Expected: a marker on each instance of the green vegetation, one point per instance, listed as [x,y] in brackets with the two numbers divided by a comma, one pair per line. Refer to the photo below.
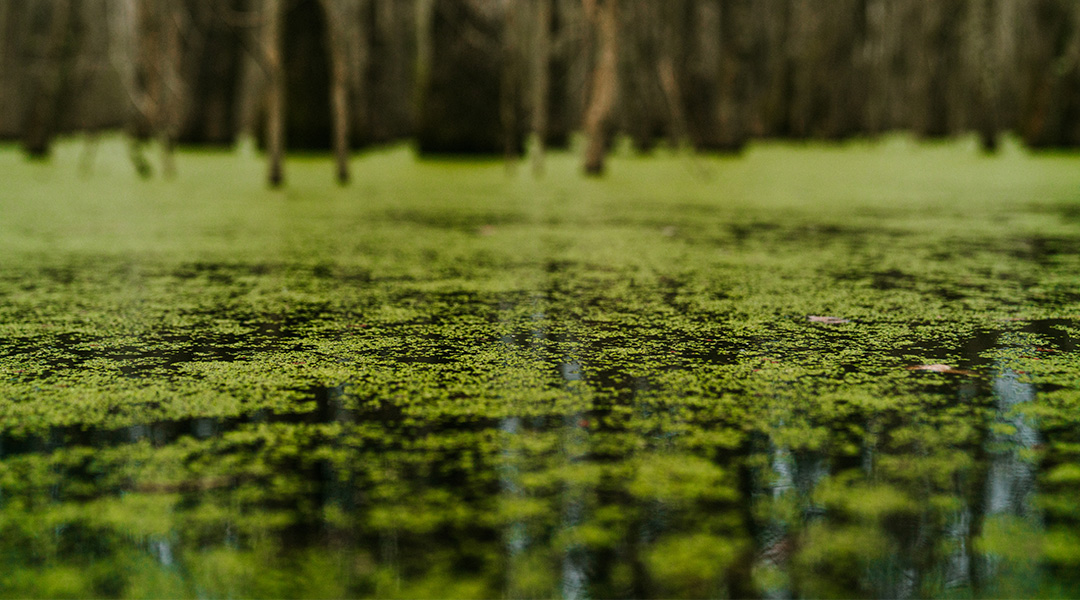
[450,381]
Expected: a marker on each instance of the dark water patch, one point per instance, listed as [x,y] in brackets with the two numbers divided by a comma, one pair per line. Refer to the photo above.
[806,234]
[60,275]
[740,233]
[891,279]
[225,273]
[291,315]
[970,349]
[1044,250]
[1068,211]
[449,307]
[66,353]
[1054,331]
[452,219]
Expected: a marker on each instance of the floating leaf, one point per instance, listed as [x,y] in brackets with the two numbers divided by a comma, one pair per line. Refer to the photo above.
[940,368]
[827,320]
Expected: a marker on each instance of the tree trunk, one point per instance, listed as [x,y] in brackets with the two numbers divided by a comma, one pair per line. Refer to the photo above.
[5,12]
[733,81]
[987,65]
[541,89]
[672,33]
[604,17]
[40,125]
[339,84]
[5,73]
[425,51]
[360,38]
[275,103]
[509,86]
[170,97]
[391,75]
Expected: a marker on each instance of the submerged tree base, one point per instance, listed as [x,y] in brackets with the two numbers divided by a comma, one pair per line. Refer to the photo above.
[819,371]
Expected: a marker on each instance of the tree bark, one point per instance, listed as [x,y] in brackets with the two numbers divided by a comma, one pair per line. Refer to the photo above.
[672,33]
[425,50]
[509,86]
[987,66]
[170,97]
[339,84]
[40,125]
[5,74]
[275,104]
[604,17]
[541,52]
[360,38]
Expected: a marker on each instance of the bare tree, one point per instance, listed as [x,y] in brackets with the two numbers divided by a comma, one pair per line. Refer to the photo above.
[983,72]
[146,49]
[359,41]
[425,49]
[7,44]
[338,23]
[171,96]
[715,72]
[671,35]
[392,70]
[49,73]
[510,82]
[541,80]
[603,16]
[275,93]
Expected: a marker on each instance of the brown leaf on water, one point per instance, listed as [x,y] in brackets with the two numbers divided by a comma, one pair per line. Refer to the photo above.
[827,320]
[940,368]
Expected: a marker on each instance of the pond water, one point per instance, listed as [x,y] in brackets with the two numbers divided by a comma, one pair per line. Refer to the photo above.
[448,381]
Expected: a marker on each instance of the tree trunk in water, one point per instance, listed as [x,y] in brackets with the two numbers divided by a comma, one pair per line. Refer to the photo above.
[391,75]
[674,33]
[987,65]
[170,97]
[40,125]
[339,98]
[425,51]
[339,86]
[359,41]
[509,86]
[604,17]
[5,40]
[541,82]
[275,104]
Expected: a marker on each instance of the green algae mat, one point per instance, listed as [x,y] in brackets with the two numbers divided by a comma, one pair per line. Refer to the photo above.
[809,371]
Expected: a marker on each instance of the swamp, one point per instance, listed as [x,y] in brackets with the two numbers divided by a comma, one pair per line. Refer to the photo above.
[812,370]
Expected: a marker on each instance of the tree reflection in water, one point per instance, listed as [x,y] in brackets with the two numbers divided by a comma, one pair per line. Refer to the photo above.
[581,482]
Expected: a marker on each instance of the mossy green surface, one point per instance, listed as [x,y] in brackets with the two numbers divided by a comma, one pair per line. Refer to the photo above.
[451,381]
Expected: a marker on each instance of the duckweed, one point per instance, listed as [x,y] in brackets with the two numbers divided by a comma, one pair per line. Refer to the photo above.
[450,381]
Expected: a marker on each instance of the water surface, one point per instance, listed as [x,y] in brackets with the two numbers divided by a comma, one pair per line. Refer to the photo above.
[450,382]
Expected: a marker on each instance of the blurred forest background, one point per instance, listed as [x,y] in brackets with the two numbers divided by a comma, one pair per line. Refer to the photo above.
[485,76]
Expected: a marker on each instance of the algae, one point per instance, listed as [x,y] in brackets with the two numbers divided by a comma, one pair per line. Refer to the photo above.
[446,381]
